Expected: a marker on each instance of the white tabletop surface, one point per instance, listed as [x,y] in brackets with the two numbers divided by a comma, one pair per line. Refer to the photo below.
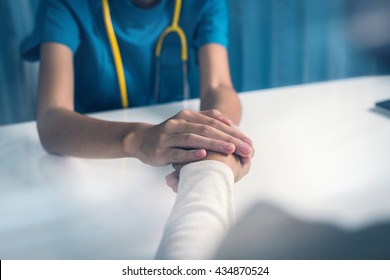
[322,154]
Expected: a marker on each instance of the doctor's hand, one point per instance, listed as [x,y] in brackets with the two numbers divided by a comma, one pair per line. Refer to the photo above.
[186,137]
[238,166]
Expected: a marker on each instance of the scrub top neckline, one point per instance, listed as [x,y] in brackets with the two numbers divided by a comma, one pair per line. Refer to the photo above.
[145,11]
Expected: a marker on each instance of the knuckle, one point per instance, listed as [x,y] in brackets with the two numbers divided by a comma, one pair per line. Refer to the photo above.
[178,114]
[171,123]
[215,112]
[205,130]
[213,123]
[184,113]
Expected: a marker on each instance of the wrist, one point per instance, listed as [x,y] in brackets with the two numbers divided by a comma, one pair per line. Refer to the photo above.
[229,159]
[195,168]
[132,141]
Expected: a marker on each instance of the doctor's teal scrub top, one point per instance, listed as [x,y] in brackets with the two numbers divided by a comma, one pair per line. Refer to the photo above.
[79,25]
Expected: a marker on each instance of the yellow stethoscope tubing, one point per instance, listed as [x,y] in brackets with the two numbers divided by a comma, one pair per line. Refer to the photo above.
[173,28]
[116,54]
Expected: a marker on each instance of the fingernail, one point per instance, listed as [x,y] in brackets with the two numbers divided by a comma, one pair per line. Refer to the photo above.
[200,153]
[245,149]
[228,147]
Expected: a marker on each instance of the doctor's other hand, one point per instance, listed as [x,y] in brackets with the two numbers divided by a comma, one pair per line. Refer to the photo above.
[238,166]
[185,138]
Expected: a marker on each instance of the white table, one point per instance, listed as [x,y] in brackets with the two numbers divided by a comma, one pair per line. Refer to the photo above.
[322,154]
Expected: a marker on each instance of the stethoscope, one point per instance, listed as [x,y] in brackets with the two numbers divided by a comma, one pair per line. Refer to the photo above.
[173,28]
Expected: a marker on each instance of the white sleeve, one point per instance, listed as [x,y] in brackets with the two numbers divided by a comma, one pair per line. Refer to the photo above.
[202,213]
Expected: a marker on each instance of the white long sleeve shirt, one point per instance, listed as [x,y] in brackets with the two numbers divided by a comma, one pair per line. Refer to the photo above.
[202,213]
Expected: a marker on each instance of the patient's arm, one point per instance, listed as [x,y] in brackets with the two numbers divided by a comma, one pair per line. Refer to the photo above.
[202,213]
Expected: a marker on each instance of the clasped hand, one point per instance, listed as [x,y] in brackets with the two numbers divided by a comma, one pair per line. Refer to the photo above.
[238,166]
[189,136]
[192,136]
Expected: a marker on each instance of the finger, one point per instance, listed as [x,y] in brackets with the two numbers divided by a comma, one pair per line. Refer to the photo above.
[172,180]
[248,159]
[176,175]
[193,122]
[194,136]
[218,116]
[220,125]
[245,164]
[179,155]
[203,118]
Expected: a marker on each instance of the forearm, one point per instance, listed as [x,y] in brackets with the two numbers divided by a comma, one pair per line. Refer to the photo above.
[66,132]
[217,90]
[225,100]
[202,214]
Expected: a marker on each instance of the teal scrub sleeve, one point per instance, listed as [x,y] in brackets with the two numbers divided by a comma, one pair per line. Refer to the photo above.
[213,24]
[55,23]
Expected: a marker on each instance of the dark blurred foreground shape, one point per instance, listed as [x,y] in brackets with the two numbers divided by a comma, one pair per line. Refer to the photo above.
[268,233]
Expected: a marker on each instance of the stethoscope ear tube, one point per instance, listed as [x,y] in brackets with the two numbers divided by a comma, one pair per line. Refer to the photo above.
[173,28]
[115,53]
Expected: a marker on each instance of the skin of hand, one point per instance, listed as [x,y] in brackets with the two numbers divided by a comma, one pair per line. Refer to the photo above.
[186,137]
[239,167]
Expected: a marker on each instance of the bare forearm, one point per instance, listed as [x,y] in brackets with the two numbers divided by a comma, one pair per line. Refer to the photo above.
[184,137]
[217,90]
[225,100]
[68,133]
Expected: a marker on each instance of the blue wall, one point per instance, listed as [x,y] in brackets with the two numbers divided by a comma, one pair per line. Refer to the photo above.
[18,80]
[285,42]
[272,43]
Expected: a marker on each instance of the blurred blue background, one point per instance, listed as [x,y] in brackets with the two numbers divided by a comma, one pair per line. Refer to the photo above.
[273,43]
